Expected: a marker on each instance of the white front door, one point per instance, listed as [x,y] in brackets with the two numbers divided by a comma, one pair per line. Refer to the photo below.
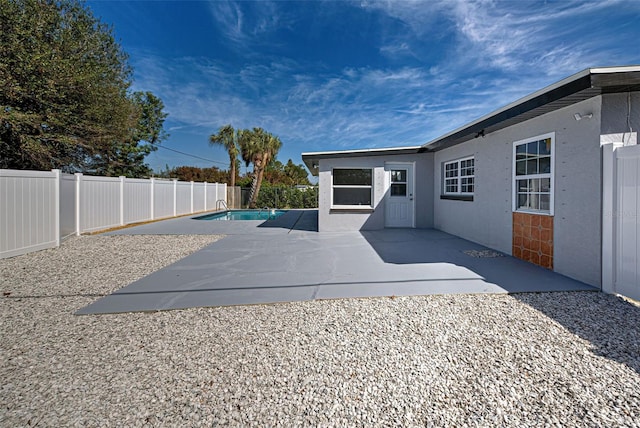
[399,199]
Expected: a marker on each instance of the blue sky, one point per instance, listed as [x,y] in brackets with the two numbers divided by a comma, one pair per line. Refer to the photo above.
[338,75]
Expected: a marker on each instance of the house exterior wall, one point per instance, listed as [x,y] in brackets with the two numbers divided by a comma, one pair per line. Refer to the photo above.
[332,220]
[615,109]
[576,224]
[488,218]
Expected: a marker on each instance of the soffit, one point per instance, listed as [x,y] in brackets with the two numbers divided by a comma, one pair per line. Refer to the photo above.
[579,87]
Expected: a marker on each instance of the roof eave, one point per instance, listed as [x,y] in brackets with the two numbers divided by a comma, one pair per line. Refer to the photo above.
[311,159]
[578,87]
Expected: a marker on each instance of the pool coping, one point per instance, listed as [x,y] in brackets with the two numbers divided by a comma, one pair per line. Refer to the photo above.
[220,213]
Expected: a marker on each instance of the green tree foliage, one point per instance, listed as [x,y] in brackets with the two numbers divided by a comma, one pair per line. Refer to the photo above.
[274,173]
[127,157]
[259,148]
[228,138]
[245,181]
[283,196]
[64,100]
[290,174]
[297,174]
[192,173]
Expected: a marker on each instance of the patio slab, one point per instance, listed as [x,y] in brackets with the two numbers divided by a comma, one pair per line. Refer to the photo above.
[288,260]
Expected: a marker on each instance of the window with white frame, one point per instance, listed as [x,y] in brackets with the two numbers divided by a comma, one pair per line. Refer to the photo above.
[459,177]
[352,187]
[398,183]
[533,174]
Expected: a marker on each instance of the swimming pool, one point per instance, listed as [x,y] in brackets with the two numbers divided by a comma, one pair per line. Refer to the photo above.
[243,215]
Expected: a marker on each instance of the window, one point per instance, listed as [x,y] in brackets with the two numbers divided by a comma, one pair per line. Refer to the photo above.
[459,177]
[352,187]
[399,182]
[533,174]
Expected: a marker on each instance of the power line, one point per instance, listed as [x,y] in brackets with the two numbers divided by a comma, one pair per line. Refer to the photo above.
[193,156]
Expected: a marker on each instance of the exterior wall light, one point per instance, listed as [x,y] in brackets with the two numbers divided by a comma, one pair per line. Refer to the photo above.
[579,116]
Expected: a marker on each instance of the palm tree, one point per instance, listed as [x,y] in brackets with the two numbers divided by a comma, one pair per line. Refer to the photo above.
[259,148]
[228,138]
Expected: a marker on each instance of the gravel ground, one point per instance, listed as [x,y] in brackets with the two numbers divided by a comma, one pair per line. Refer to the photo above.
[560,359]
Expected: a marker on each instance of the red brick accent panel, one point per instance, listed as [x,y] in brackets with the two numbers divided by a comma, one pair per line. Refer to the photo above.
[533,239]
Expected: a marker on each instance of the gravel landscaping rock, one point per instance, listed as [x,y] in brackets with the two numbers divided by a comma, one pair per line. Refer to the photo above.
[557,359]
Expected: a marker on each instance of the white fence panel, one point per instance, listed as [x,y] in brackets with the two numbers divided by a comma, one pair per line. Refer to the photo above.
[216,192]
[99,203]
[222,192]
[183,198]
[39,208]
[162,198]
[67,205]
[137,200]
[628,222]
[212,195]
[199,195]
[28,211]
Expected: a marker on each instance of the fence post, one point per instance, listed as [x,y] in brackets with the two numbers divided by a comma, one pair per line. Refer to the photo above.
[175,197]
[151,183]
[121,200]
[77,195]
[205,195]
[56,172]
[224,192]
[609,216]
[191,212]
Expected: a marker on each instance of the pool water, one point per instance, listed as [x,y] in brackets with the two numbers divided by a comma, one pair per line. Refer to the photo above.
[243,215]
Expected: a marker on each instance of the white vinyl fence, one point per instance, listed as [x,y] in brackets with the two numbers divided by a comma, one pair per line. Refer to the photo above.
[38,209]
[621,220]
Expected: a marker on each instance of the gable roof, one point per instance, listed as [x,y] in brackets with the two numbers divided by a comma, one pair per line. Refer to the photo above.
[571,90]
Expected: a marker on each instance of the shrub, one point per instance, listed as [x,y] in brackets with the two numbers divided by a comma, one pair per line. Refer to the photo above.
[287,197]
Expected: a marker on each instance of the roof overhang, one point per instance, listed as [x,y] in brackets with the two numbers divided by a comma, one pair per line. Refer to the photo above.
[311,159]
[574,89]
[579,87]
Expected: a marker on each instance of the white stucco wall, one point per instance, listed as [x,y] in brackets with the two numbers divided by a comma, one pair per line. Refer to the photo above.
[346,220]
[488,218]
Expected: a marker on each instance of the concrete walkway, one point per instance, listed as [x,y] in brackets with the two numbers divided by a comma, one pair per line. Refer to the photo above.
[288,260]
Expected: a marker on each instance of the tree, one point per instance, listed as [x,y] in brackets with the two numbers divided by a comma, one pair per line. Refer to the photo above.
[65,101]
[289,174]
[274,173]
[228,138]
[127,158]
[192,173]
[259,148]
[297,174]
[283,196]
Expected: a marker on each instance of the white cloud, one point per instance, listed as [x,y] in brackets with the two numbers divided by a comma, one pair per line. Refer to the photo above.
[497,52]
[509,36]
[229,19]
[244,26]
[310,111]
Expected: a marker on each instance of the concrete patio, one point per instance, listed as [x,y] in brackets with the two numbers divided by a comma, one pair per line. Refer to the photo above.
[288,260]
